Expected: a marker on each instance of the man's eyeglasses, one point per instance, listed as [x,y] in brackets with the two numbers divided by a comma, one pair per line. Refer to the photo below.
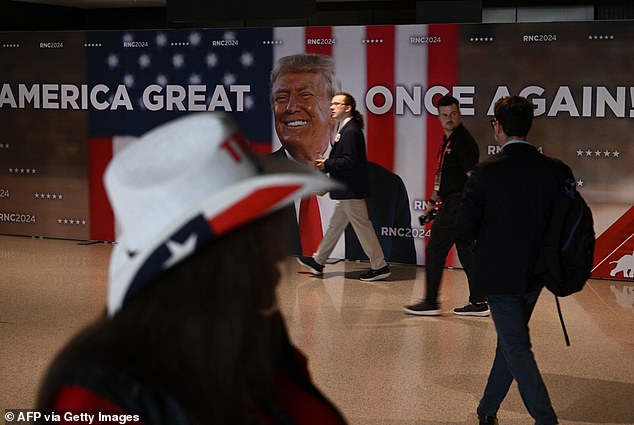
[337,104]
[493,122]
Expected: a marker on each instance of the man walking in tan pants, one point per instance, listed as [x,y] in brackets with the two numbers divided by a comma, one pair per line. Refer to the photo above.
[348,164]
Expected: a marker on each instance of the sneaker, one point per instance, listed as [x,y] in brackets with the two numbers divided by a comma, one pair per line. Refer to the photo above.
[423,308]
[313,266]
[473,309]
[486,420]
[372,275]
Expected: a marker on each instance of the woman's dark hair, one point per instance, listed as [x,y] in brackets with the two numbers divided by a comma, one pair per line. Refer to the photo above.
[349,100]
[515,115]
[206,331]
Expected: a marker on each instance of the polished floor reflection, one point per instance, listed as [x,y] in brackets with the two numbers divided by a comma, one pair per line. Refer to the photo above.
[379,365]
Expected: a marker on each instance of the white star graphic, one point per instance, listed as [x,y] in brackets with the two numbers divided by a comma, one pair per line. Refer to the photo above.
[178,60]
[144,61]
[246,59]
[161,39]
[228,79]
[180,251]
[113,61]
[580,183]
[128,80]
[616,154]
[211,60]
[579,152]
[249,102]
[161,80]
[195,79]
[194,38]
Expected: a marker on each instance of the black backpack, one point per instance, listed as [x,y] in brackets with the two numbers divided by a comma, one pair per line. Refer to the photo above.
[565,261]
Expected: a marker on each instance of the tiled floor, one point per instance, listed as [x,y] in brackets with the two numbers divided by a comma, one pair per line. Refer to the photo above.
[379,365]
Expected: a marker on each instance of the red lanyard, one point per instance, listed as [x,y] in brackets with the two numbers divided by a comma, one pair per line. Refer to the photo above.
[441,160]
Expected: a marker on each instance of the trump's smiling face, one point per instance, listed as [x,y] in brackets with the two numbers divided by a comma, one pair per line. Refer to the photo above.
[302,114]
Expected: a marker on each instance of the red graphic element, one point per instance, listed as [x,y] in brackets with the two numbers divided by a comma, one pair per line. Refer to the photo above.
[255,205]
[237,146]
[101,215]
[79,400]
[310,231]
[442,71]
[614,250]
[380,71]
[319,33]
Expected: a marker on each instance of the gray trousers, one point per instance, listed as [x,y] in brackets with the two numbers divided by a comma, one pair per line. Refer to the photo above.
[355,212]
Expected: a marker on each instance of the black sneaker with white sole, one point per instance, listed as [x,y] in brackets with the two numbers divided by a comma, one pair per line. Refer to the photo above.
[423,308]
[372,275]
[313,266]
[473,309]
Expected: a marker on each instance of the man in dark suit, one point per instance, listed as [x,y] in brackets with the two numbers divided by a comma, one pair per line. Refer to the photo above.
[458,154]
[302,87]
[347,163]
[506,206]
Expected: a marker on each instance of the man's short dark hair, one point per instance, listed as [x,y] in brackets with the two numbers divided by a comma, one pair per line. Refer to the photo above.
[515,115]
[448,101]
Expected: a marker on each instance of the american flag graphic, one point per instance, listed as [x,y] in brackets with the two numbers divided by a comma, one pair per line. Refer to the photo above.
[180,58]
[215,59]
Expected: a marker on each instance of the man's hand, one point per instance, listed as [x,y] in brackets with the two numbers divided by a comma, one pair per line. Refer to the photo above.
[319,163]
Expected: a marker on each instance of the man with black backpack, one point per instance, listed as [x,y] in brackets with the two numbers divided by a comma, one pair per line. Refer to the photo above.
[506,209]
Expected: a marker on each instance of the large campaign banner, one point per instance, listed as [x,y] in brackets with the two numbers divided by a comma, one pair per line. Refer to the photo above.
[69,101]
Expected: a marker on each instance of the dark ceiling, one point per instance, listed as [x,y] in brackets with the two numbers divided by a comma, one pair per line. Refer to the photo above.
[20,15]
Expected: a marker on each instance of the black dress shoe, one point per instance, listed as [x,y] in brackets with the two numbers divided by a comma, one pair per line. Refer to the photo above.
[486,420]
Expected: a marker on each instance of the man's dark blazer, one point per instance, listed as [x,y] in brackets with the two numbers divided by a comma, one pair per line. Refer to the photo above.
[347,162]
[505,208]
[388,207]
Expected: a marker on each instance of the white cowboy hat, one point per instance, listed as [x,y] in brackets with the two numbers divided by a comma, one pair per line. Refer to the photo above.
[185,183]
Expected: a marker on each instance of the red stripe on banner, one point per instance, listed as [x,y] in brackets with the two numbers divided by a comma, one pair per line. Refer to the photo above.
[254,205]
[101,215]
[442,71]
[614,250]
[260,147]
[380,71]
[315,37]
